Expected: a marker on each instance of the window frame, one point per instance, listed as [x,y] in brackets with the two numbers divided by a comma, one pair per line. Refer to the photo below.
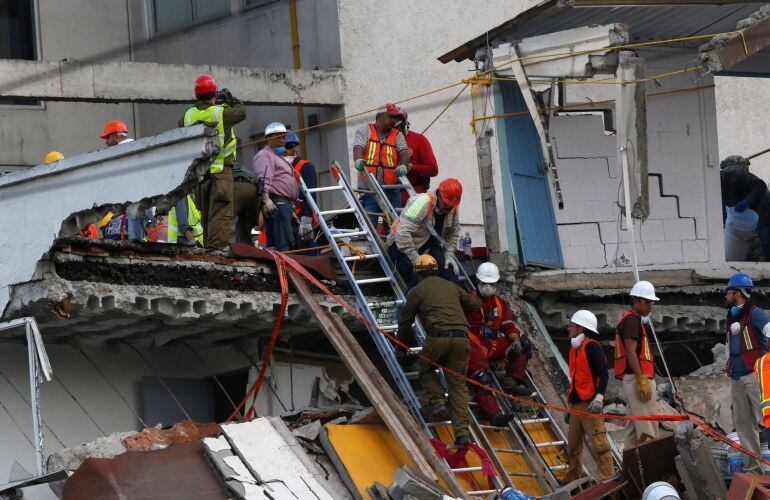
[38,48]
[153,27]
[245,4]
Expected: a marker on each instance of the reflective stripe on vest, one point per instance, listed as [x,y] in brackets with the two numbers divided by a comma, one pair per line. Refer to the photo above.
[645,353]
[413,210]
[762,370]
[382,154]
[581,378]
[298,175]
[193,221]
[212,116]
[751,346]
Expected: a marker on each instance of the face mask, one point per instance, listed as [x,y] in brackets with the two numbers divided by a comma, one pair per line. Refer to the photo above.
[645,320]
[735,310]
[487,289]
[290,159]
[280,150]
[577,341]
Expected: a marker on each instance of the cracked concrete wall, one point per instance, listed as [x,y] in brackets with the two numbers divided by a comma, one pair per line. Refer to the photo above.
[684,225]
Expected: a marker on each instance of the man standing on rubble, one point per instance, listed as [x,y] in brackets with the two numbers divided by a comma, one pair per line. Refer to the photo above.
[305,170]
[381,149]
[441,306]
[221,110]
[742,189]
[748,327]
[494,337]
[634,362]
[410,235]
[588,383]
[421,158]
[279,188]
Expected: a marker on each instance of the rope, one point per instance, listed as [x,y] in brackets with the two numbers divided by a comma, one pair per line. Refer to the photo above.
[445,108]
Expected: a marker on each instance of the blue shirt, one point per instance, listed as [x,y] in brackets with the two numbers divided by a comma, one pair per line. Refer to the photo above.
[759,320]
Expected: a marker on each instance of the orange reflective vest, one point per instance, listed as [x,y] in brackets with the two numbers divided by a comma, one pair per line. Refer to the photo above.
[644,352]
[298,176]
[581,378]
[762,370]
[89,232]
[381,158]
[414,210]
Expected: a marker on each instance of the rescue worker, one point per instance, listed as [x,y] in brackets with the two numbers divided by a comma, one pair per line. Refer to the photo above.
[742,189]
[494,337]
[279,188]
[440,305]
[115,132]
[747,330]
[247,202]
[305,170]
[221,110]
[634,362]
[421,158]
[588,382]
[409,237]
[381,149]
[184,223]
[52,156]
[762,371]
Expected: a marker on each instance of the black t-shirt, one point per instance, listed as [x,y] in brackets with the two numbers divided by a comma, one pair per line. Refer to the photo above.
[438,221]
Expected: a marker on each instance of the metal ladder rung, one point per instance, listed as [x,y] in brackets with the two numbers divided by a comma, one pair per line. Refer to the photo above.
[480,492]
[389,328]
[467,469]
[351,233]
[390,303]
[375,214]
[494,427]
[503,450]
[529,421]
[436,424]
[369,281]
[338,211]
[522,474]
[411,375]
[325,188]
[415,350]
[361,257]
[549,444]
[558,467]
[363,191]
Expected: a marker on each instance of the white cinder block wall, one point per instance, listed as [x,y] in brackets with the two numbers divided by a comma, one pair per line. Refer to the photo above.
[684,225]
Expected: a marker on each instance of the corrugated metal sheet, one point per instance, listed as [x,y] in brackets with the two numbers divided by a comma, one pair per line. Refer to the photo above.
[532,197]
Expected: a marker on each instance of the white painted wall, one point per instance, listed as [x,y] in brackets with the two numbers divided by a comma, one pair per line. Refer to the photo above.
[389,52]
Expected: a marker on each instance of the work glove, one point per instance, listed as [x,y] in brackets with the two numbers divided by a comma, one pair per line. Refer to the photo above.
[412,255]
[449,261]
[402,170]
[742,205]
[643,388]
[269,208]
[596,404]
[360,165]
[516,348]
[484,377]
[225,95]
[306,228]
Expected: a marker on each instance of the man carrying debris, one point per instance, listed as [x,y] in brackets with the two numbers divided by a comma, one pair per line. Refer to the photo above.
[634,362]
[279,188]
[421,158]
[440,305]
[494,337]
[747,330]
[741,189]
[381,149]
[588,382]
[219,109]
[410,235]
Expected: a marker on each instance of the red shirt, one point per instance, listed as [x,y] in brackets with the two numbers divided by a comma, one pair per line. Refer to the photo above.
[497,317]
[424,165]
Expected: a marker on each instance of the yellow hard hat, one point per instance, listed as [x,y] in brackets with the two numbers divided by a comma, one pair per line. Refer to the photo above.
[52,157]
[425,263]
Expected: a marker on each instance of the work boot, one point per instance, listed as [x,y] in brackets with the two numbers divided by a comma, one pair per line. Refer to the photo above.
[438,413]
[462,441]
[514,387]
[500,419]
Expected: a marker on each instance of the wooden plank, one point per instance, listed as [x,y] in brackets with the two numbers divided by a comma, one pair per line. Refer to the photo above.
[392,411]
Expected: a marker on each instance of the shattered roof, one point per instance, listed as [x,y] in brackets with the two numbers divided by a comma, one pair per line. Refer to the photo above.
[647,20]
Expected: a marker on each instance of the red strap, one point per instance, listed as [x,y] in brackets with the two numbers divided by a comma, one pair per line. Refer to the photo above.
[458,460]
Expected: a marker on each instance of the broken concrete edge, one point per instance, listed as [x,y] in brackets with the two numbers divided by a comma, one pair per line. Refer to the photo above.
[727,50]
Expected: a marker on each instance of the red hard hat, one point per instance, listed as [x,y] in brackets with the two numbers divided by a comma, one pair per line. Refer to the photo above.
[450,191]
[393,110]
[114,127]
[205,85]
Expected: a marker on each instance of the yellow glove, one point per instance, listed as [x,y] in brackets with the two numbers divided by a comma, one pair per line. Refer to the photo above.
[643,388]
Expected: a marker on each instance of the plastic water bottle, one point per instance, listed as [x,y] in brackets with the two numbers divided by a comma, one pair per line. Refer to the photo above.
[512,494]
[467,245]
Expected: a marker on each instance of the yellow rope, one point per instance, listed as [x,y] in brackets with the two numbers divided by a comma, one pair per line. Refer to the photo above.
[445,108]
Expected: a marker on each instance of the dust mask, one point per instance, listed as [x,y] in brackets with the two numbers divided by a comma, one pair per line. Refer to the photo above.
[289,158]
[487,289]
[645,320]
[280,150]
[577,341]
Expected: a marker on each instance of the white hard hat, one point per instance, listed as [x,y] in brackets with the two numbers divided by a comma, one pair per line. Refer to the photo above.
[488,273]
[586,319]
[275,128]
[643,290]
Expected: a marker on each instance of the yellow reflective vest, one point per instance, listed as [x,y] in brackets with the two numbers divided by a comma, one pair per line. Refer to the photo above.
[193,221]
[212,116]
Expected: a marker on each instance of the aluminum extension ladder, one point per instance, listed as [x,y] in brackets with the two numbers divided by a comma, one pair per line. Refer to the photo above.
[383,314]
[525,422]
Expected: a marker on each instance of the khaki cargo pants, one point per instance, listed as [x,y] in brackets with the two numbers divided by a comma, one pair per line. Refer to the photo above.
[579,426]
[637,428]
[216,195]
[747,416]
[452,353]
[246,206]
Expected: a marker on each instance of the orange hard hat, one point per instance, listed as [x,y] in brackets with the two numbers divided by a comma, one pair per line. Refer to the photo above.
[205,85]
[114,127]
[450,191]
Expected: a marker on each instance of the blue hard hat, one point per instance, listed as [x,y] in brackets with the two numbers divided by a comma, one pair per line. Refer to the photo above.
[291,138]
[740,281]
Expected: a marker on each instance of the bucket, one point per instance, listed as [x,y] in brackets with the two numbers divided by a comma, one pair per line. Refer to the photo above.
[660,490]
[734,457]
[740,232]
[745,221]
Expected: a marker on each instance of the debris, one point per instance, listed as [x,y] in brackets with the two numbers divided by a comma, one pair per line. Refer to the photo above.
[155,438]
[308,431]
[408,483]
[104,447]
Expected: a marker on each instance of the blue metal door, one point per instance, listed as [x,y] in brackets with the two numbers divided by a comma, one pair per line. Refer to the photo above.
[535,217]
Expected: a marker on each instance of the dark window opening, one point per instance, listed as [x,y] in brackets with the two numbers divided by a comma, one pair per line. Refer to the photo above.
[17,37]
[174,15]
